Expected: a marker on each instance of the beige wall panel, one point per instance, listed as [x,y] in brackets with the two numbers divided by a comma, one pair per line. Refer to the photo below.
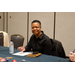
[65,30]
[47,22]
[17,24]
[1,21]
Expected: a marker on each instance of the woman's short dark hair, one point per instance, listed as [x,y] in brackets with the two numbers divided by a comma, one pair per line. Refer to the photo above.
[36,21]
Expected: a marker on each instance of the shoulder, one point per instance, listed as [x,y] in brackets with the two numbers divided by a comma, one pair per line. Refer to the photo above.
[32,37]
[44,36]
[46,39]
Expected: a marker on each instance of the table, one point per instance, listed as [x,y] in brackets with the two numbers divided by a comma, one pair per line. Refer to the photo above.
[4,52]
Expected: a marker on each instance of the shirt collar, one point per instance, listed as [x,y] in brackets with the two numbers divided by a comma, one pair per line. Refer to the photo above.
[41,35]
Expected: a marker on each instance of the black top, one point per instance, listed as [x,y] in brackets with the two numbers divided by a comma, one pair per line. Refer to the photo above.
[42,44]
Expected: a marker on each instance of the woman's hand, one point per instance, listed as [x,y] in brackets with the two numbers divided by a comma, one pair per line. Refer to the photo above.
[21,48]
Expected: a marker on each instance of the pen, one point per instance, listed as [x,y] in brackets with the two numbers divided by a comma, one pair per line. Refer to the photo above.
[21,52]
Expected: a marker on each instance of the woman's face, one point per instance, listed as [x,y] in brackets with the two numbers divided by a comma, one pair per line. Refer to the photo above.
[36,28]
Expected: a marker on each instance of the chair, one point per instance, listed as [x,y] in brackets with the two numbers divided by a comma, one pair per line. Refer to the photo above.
[4,40]
[57,49]
[1,39]
[18,40]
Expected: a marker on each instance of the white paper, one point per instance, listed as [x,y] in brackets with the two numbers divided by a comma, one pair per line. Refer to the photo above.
[22,53]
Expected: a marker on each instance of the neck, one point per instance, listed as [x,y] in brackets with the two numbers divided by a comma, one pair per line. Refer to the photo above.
[38,35]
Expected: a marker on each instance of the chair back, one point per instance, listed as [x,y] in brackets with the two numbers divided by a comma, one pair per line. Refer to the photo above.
[1,39]
[18,40]
[57,48]
[4,40]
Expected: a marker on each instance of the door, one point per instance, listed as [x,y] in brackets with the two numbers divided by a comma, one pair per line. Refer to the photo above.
[17,24]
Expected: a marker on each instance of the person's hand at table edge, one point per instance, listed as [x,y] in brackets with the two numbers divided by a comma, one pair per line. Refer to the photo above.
[72,56]
[21,48]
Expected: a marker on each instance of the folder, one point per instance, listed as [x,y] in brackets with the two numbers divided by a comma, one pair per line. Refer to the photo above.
[33,55]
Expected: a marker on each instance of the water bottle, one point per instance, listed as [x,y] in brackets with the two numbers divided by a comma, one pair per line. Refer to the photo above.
[11,47]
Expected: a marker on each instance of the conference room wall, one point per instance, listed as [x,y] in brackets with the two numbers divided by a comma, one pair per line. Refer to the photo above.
[65,30]
[1,21]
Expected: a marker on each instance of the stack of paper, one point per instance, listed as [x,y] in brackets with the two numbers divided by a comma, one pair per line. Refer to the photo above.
[22,53]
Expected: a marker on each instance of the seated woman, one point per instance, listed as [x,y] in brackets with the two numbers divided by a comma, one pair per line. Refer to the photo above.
[38,41]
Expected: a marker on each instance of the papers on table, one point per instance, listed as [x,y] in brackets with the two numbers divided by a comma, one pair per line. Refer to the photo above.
[22,53]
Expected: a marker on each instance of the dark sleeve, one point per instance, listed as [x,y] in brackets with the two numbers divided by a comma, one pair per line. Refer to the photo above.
[28,46]
[47,47]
